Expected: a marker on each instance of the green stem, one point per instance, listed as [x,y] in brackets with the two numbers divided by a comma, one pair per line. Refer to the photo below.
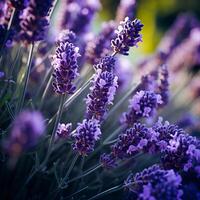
[40,167]
[111,190]
[45,91]
[105,192]
[59,114]
[73,97]
[27,75]
[69,171]
[85,173]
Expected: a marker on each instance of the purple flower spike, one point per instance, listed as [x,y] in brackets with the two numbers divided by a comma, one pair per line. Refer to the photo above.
[128,35]
[131,141]
[101,95]
[183,152]
[64,130]
[99,46]
[155,183]
[126,8]
[19,4]
[65,68]
[66,36]
[107,63]
[108,161]
[35,20]
[142,105]
[164,85]
[26,130]
[86,135]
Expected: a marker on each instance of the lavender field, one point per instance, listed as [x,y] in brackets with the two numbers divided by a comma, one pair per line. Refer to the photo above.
[99,100]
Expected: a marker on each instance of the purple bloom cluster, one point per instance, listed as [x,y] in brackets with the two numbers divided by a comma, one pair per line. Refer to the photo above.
[143,104]
[130,142]
[64,130]
[179,31]
[107,63]
[128,35]
[26,130]
[65,67]
[99,46]
[101,95]
[164,85]
[140,138]
[86,135]
[78,15]
[19,4]
[35,20]
[126,8]
[183,152]
[155,183]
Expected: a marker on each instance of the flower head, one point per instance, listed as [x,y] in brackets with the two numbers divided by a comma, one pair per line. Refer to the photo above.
[155,183]
[183,152]
[143,104]
[130,142]
[65,68]
[99,46]
[128,35]
[19,4]
[101,95]
[26,130]
[86,135]
[126,8]
[35,20]
[64,130]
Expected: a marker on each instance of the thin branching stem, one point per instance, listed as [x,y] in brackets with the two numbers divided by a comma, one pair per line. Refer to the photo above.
[27,75]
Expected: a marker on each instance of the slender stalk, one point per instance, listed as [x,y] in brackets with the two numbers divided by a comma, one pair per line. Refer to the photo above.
[68,171]
[111,190]
[40,167]
[110,137]
[73,97]
[45,91]
[105,192]
[27,75]
[59,114]
[85,173]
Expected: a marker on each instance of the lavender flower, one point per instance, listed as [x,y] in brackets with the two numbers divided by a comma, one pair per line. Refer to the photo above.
[19,4]
[107,63]
[128,35]
[101,95]
[164,85]
[155,183]
[179,31]
[65,68]
[126,8]
[131,141]
[26,130]
[3,9]
[86,135]
[78,15]
[66,36]
[143,104]
[108,161]
[183,152]
[148,82]
[64,130]
[35,20]
[99,46]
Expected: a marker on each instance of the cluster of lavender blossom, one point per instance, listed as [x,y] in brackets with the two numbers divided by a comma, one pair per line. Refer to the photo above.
[142,132]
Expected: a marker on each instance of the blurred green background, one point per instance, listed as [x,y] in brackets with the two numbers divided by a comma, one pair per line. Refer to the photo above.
[156,15]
